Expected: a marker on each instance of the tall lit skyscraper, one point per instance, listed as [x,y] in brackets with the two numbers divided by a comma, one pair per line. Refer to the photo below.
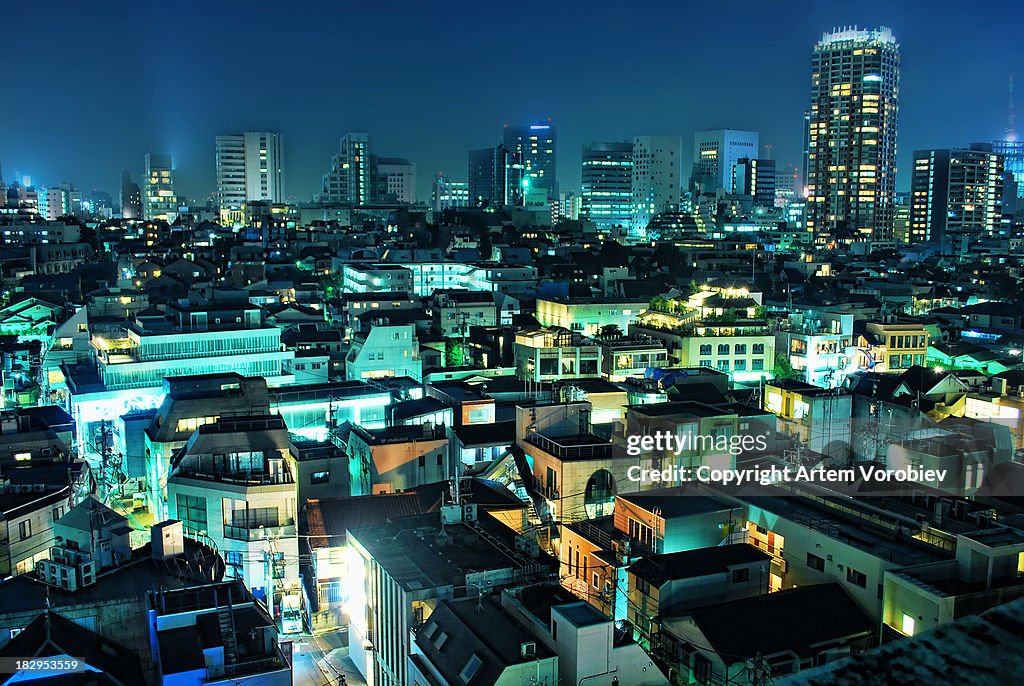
[350,180]
[607,184]
[158,198]
[250,166]
[535,145]
[851,136]
[955,197]
[715,153]
[655,182]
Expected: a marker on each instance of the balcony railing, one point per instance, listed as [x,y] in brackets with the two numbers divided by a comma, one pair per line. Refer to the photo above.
[244,533]
[571,448]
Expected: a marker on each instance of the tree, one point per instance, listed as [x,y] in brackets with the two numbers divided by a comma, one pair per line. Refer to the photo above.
[610,331]
[783,369]
[453,353]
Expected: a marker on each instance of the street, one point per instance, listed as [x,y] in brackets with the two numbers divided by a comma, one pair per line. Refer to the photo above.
[322,660]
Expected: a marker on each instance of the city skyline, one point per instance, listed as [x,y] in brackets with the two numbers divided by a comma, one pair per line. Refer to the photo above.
[91,149]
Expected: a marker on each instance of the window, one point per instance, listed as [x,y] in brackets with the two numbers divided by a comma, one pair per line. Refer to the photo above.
[233,558]
[757,365]
[739,365]
[705,363]
[757,349]
[815,562]
[57,513]
[740,349]
[25,529]
[701,669]
[856,578]
[907,624]
[641,532]
[740,576]
[469,671]
[597,580]
[22,457]
[705,350]
[723,349]
[318,478]
[723,365]
[192,512]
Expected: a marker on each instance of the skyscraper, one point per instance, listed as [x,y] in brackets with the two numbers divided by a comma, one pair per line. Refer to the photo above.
[250,166]
[715,153]
[655,182]
[131,197]
[158,198]
[535,146]
[851,136]
[607,184]
[495,178]
[955,197]
[351,178]
[755,178]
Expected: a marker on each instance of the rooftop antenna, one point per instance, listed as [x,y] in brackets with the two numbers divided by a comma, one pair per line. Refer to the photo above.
[1011,129]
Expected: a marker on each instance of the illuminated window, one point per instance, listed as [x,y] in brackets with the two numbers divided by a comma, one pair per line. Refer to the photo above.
[22,457]
[907,625]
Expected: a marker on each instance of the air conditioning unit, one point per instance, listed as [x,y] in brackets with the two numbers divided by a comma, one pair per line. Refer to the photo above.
[469,513]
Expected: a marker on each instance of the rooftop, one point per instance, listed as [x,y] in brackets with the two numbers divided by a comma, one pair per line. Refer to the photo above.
[419,555]
[657,569]
[748,627]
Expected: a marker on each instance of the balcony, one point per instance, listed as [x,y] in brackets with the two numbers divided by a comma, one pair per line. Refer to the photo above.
[577,447]
[258,533]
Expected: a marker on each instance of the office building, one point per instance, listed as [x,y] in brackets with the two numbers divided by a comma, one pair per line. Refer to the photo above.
[351,177]
[715,153]
[534,145]
[851,154]
[159,200]
[755,178]
[250,166]
[1012,151]
[655,182]
[495,178]
[396,181]
[447,194]
[955,198]
[607,184]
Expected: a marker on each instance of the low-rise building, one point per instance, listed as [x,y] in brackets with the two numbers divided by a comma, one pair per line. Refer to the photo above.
[217,633]
[401,571]
[551,354]
[705,646]
[234,482]
[986,572]
[396,458]
[385,351]
[666,585]
[819,418]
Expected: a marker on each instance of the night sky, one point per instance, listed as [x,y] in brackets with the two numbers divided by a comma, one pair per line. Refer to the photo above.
[88,90]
